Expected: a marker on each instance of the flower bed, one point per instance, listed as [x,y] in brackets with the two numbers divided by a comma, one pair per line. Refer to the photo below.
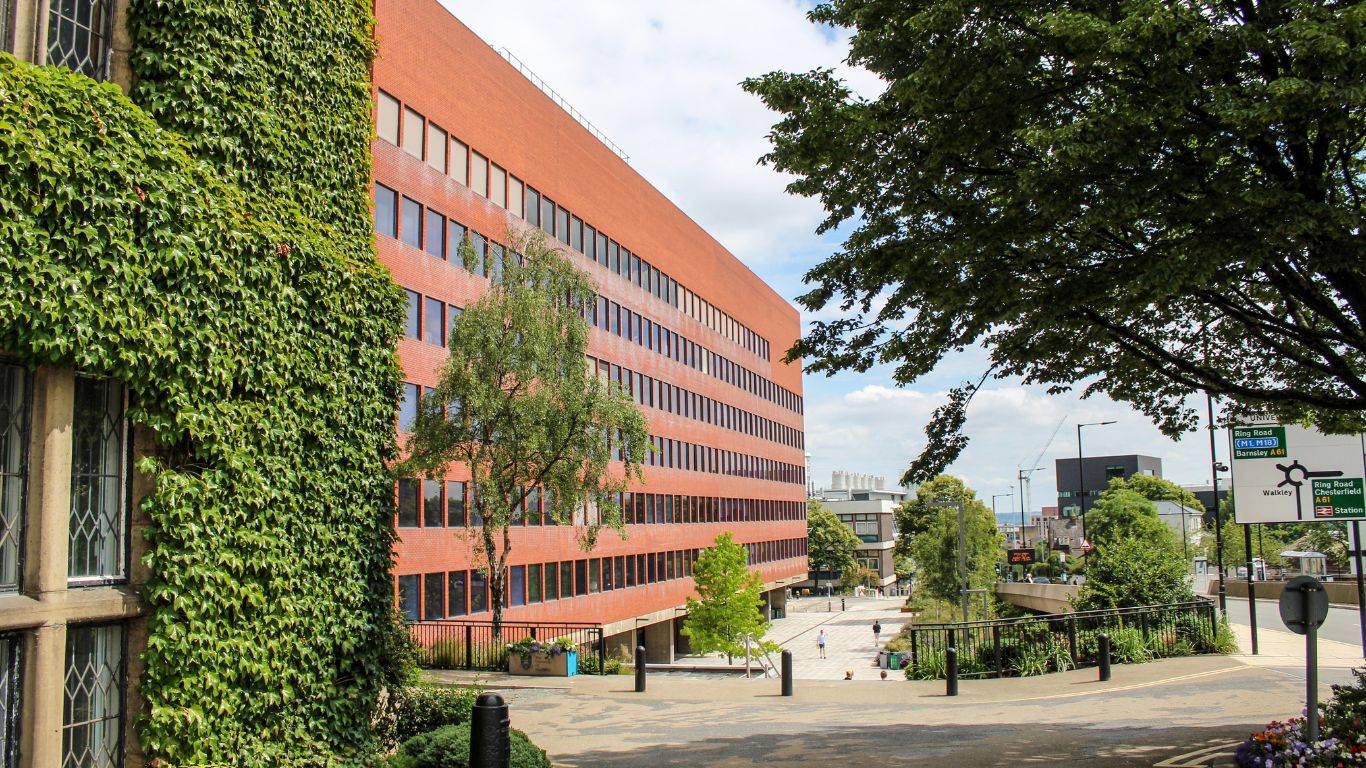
[1341,742]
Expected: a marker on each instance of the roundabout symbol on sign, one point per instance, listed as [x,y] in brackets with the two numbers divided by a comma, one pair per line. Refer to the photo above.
[1295,474]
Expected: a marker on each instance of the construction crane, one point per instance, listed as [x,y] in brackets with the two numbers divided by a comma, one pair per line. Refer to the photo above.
[1023,474]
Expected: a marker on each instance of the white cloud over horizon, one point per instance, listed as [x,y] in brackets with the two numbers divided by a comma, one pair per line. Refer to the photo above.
[661,79]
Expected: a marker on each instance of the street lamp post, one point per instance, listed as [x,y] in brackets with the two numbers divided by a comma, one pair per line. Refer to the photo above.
[996,496]
[1081,476]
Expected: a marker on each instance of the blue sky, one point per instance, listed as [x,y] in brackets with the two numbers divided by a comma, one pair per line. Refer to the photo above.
[660,79]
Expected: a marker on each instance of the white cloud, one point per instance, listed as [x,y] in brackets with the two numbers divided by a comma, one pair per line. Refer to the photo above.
[660,78]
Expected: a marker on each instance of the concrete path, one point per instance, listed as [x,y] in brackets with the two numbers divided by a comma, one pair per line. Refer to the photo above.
[848,636]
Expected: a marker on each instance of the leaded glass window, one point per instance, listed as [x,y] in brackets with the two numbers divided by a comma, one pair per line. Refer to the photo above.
[9,700]
[92,717]
[14,428]
[97,475]
[78,36]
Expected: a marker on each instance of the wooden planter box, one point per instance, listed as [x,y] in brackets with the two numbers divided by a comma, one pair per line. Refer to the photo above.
[554,665]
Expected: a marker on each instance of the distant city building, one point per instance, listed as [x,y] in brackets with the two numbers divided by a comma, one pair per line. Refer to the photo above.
[866,505]
[1096,474]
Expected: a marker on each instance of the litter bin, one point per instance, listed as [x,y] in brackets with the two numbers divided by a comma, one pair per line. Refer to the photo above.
[894,660]
[882,659]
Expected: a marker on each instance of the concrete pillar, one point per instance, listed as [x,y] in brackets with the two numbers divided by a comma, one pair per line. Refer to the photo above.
[40,728]
[777,601]
[658,639]
[49,500]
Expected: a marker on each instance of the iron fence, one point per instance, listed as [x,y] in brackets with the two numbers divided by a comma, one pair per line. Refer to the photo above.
[1033,645]
[454,644]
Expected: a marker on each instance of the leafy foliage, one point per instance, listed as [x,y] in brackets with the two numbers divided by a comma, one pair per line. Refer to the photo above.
[1134,572]
[830,543]
[518,405]
[1148,199]
[935,549]
[225,311]
[449,747]
[1121,514]
[727,606]
[422,707]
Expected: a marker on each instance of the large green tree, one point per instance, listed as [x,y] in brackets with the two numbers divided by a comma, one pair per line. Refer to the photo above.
[830,544]
[1152,197]
[935,548]
[1121,514]
[728,603]
[518,405]
[1137,559]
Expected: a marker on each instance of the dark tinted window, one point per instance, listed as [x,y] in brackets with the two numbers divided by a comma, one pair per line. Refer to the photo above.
[433,596]
[434,329]
[562,225]
[407,408]
[407,503]
[433,511]
[457,583]
[408,596]
[411,225]
[455,504]
[386,211]
[436,234]
[548,215]
[533,207]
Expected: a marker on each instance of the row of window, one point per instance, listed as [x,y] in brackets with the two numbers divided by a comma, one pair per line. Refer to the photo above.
[668,452]
[432,232]
[92,714]
[452,594]
[404,127]
[437,503]
[654,393]
[430,319]
[96,544]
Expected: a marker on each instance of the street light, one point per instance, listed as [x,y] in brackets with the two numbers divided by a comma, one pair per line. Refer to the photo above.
[1081,476]
[996,496]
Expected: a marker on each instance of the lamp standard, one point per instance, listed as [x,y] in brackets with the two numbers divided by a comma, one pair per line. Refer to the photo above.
[1023,473]
[1081,476]
[996,496]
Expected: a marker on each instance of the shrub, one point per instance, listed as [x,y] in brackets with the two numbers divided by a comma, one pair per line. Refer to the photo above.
[1032,660]
[447,654]
[418,709]
[449,747]
[588,665]
[1128,647]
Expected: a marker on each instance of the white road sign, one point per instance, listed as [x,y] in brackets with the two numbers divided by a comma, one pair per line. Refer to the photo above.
[1289,474]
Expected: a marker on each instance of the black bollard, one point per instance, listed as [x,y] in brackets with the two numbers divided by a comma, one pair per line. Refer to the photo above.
[1104,657]
[640,669]
[787,673]
[951,678]
[489,732]
[841,604]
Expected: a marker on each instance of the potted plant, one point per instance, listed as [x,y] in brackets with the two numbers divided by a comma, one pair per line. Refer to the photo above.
[530,656]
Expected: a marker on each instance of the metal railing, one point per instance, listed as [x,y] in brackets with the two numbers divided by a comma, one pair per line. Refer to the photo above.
[455,644]
[560,102]
[1033,645]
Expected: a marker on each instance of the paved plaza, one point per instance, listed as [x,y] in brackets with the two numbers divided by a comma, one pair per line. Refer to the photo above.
[1169,713]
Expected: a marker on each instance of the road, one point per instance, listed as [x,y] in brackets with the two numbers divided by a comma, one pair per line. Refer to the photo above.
[1342,624]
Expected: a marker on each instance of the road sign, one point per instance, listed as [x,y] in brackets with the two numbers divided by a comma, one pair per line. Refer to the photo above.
[1284,473]
[1020,557]
[1304,601]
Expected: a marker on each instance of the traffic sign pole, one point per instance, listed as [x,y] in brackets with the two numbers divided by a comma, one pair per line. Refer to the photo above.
[1311,669]
[1304,607]
[1251,585]
[1361,585]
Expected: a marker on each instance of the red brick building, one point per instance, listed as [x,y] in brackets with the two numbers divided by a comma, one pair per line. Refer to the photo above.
[467,146]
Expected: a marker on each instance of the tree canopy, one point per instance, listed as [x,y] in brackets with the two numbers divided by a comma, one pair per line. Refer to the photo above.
[518,405]
[830,544]
[1154,198]
[1121,514]
[727,606]
[935,548]
[1155,488]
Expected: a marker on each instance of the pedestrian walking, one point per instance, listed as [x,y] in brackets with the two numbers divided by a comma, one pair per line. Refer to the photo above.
[877,631]
[820,643]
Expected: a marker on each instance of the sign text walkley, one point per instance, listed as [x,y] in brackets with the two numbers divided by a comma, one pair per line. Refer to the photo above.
[1287,473]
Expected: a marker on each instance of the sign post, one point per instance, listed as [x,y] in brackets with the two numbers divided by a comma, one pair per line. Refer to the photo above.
[1304,606]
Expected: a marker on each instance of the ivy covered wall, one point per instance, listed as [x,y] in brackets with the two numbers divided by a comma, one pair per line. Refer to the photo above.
[208,242]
